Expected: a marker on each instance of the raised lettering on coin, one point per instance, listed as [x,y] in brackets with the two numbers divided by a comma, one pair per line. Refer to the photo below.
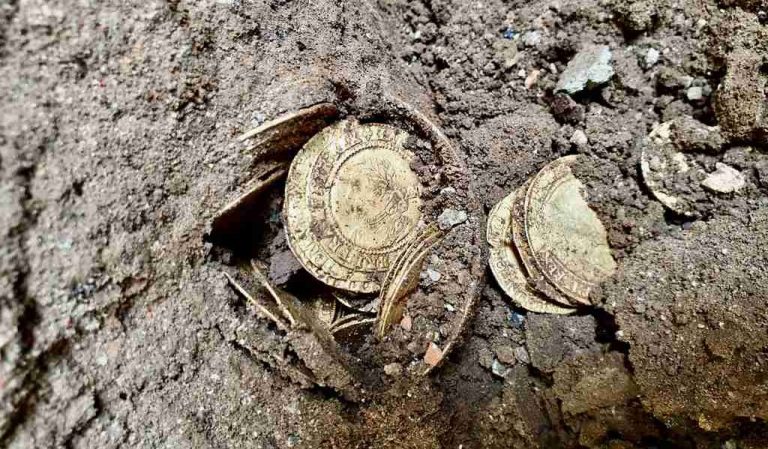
[567,240]
[351,203]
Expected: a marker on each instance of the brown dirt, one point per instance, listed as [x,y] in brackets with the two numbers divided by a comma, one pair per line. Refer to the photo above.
[117,149]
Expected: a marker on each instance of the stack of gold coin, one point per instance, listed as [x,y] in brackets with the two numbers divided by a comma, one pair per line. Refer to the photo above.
[548,249]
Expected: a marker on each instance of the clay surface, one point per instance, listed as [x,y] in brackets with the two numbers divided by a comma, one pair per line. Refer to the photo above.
[118,146]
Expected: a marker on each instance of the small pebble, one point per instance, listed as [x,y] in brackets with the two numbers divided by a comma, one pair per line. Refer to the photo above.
[406,323]
[393,369]
[725,179]
[695,93]
[589,68]
[516,319]
[531,38]
[506,355]
[450,218]
[651,57]
[521,354]
[431,276]
[531,79]
[433,355]
[579,138]
[449,307]
[415,347]
[499,369]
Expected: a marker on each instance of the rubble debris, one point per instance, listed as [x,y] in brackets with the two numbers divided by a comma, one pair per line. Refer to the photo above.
[588,69]
[725,179]
[450,218]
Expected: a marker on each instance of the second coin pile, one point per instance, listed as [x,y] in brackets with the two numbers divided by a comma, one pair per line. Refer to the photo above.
[548,249]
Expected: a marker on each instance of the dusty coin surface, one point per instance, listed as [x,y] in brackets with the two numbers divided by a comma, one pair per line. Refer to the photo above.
[352,203]
[505,265]
[535,278]
[290,131]
[664,169]
[567,240]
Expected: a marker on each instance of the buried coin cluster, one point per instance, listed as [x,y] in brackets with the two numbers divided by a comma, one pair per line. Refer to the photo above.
[548,249]
[356,220]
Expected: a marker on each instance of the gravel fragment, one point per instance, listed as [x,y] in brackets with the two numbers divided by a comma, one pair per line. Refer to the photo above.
[450,218]
[725,179]
[531,38]
[498,369]
[651,58]
[589,68]
[431,276]
[579,138]
[695,93]
[506,354]
[433,355]
[521,354]
[393,369]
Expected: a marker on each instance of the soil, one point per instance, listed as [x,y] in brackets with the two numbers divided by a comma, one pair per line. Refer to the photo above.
[118,147]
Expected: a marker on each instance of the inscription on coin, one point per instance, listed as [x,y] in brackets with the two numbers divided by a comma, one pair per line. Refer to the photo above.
[351,202]
[567,240]
[536,278]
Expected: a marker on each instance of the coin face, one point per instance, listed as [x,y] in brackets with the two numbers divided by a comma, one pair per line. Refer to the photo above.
[535,277]
[567,240]
[351,203]
[664,169]
[505,265]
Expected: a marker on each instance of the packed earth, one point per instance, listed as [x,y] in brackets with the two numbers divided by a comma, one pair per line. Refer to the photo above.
[142,221]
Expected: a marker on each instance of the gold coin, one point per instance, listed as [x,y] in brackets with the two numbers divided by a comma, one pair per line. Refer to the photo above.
[534,276]
[288,132]
[660,162]
[505,265]
[568,241]
[352,203]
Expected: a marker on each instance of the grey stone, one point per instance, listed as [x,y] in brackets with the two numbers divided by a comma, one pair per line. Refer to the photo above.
[695,93]
[579,138]
[498,369]
[531,38]
[450,218]
[521,354]
[589,68]
[671,79]
[430,276]
[393,369]
[651,58]
[725,179]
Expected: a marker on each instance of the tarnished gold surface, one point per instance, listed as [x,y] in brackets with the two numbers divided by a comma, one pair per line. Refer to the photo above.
[288,132]
[505,265]
[535,277]
[322,362]
[352,327]
[403,277]
[568,241]
[352,203]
